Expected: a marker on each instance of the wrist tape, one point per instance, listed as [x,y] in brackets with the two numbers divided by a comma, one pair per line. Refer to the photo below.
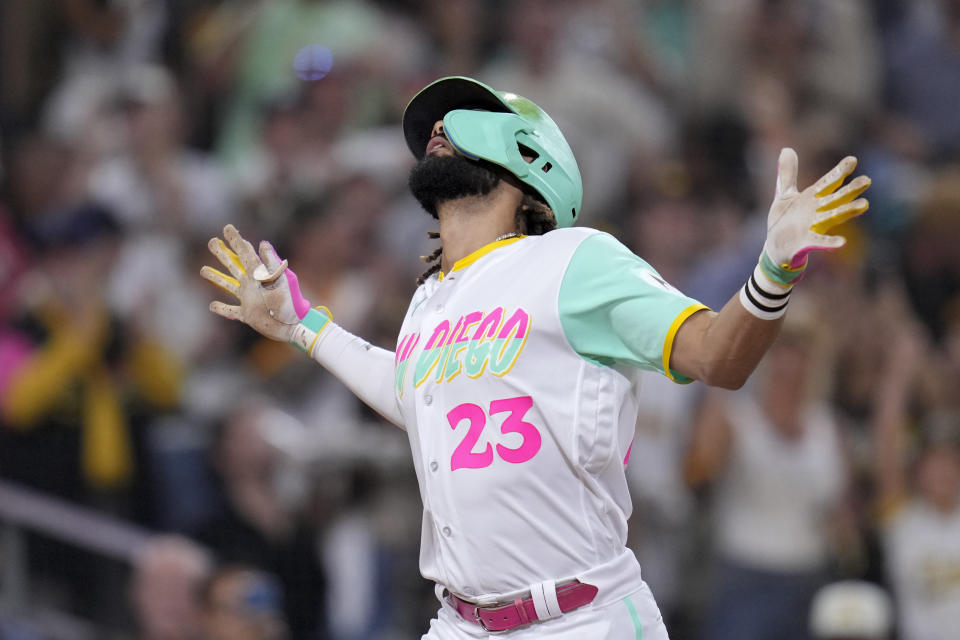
[763,297]
[311,326]
[781,274]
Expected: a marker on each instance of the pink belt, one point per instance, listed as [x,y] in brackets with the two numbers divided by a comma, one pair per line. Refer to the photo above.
[521,611]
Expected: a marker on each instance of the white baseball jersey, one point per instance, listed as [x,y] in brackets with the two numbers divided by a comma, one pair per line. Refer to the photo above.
[515,377]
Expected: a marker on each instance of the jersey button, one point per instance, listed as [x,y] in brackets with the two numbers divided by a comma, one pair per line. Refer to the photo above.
[447,531]
[438,308]
[428,399]
[468,591]
[434,466]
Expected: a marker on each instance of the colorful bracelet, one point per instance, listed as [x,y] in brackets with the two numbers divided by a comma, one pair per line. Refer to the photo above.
[781,274]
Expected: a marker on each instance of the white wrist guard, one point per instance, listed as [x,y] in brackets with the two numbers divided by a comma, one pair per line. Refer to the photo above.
[763,297]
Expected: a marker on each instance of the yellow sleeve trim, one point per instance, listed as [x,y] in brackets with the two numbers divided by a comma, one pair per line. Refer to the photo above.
[468,260]
[672,334]
[316,337]
[313,342]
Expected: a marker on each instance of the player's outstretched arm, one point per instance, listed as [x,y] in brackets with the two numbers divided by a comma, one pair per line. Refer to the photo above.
[270,302]
[722,349]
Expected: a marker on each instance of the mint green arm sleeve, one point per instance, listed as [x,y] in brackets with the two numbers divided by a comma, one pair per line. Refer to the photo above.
[616,309]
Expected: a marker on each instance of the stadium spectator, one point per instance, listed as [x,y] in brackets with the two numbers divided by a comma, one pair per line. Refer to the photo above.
[242,603]
[165,588]
[775,455]
[62,392]
[264,520]
[918,490]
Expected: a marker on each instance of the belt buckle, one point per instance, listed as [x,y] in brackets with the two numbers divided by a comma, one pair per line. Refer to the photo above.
[476,616]
[483,625]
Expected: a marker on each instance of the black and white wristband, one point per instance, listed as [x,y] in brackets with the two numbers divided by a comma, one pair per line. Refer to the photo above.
[763,297]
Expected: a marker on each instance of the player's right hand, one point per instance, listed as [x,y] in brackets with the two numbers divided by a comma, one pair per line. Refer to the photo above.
[268,292]
[798,221]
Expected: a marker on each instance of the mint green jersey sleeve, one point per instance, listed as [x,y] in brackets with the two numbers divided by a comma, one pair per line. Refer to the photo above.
[616,309]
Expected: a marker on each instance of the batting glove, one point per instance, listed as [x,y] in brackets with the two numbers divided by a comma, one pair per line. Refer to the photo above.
[798,221]
[268,291]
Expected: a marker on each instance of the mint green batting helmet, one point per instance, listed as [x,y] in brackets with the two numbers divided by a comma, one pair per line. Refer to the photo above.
[482,123]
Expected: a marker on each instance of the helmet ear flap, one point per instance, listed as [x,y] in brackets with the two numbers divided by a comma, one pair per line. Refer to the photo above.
[530,156]
[547,175]
[539,161]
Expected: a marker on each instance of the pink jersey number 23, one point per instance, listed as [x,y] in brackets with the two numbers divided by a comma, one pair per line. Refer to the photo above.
[464,457]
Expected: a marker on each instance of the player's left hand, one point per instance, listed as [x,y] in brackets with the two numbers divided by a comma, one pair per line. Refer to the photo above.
[269,293]
[798,221]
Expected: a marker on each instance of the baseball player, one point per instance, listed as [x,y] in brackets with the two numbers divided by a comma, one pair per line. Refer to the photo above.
[515,373]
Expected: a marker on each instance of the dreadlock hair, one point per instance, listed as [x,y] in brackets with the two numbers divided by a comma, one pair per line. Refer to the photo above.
[433,259]
[532,218]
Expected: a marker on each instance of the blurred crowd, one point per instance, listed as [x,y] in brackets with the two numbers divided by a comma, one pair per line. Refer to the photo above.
[133,130]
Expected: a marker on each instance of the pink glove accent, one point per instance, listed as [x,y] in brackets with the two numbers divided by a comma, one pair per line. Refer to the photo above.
[300,304]
[801,258]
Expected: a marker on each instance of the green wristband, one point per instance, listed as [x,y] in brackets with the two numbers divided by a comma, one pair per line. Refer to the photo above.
[316,319]
[779,273]
[306,333]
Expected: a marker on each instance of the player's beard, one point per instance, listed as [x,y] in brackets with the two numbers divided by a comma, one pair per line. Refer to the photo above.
[436,179]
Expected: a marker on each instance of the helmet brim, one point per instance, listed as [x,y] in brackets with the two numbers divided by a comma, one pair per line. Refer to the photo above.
[439,98]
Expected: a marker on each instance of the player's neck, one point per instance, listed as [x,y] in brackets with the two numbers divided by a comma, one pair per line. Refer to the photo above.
[467,224]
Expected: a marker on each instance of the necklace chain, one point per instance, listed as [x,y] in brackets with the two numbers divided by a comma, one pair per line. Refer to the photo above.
[512,234]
